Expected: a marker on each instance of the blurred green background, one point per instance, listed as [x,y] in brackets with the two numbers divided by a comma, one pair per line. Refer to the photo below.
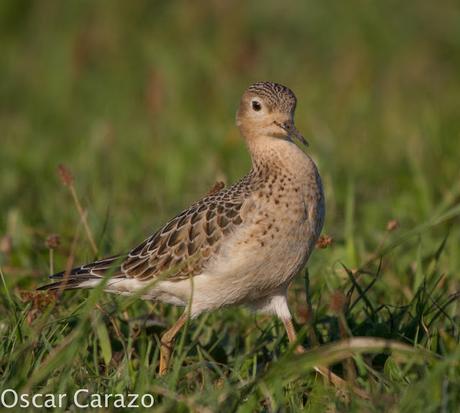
[138,99]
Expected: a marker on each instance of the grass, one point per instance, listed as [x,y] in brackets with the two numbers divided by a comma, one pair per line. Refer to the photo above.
[138,101]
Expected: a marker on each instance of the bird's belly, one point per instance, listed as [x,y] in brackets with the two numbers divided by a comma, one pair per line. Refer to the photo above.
[260,261]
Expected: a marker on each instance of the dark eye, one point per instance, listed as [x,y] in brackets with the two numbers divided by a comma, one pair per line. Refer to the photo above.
[256,105]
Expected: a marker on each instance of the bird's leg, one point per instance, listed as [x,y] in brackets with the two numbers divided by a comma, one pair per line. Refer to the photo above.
[338,382]
[292,336]
[167,342]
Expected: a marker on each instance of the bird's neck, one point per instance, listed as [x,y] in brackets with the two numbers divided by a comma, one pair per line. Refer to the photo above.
[273,155]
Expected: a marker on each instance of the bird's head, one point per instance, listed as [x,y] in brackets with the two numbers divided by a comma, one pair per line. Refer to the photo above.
[267,109]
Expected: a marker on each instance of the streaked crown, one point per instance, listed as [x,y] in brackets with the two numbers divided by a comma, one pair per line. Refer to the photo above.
[276,95]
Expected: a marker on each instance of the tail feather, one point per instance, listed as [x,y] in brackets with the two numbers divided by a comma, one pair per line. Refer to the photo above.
[69,284]
[86,276]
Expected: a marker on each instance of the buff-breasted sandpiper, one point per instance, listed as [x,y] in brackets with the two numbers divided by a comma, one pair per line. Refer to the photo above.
[240,245]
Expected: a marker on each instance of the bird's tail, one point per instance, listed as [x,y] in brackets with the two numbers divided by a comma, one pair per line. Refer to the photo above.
[85,276]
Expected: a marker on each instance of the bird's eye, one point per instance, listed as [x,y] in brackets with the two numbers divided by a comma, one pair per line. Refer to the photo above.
[256,105]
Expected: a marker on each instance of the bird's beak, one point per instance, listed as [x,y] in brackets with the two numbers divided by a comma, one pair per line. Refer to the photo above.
[292,131]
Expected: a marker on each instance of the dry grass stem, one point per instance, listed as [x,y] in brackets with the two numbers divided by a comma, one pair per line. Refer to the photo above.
[68,181]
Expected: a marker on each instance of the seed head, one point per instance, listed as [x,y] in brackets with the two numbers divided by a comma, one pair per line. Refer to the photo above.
[65,175]
[392,225]
[324,241]
[53,241]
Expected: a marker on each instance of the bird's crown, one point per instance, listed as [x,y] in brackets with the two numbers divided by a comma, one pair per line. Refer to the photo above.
[276,95]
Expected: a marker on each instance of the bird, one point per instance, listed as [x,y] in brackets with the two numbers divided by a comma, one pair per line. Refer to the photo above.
[240,245]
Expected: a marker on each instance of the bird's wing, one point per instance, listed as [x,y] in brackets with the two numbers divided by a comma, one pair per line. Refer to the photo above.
[185,244]
[180,249]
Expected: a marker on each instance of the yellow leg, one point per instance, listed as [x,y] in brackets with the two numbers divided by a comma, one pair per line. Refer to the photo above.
[167,342]
[292,336]
[324,371]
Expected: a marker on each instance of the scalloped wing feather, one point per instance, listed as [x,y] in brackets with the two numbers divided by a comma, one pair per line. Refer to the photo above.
[184,246]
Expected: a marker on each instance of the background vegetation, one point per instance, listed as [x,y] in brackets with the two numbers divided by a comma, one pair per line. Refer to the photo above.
[138,100]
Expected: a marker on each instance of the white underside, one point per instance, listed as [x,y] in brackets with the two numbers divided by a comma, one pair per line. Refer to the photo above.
[200,293]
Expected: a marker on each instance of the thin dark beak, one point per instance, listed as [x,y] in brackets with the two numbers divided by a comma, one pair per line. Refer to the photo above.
[292,131]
